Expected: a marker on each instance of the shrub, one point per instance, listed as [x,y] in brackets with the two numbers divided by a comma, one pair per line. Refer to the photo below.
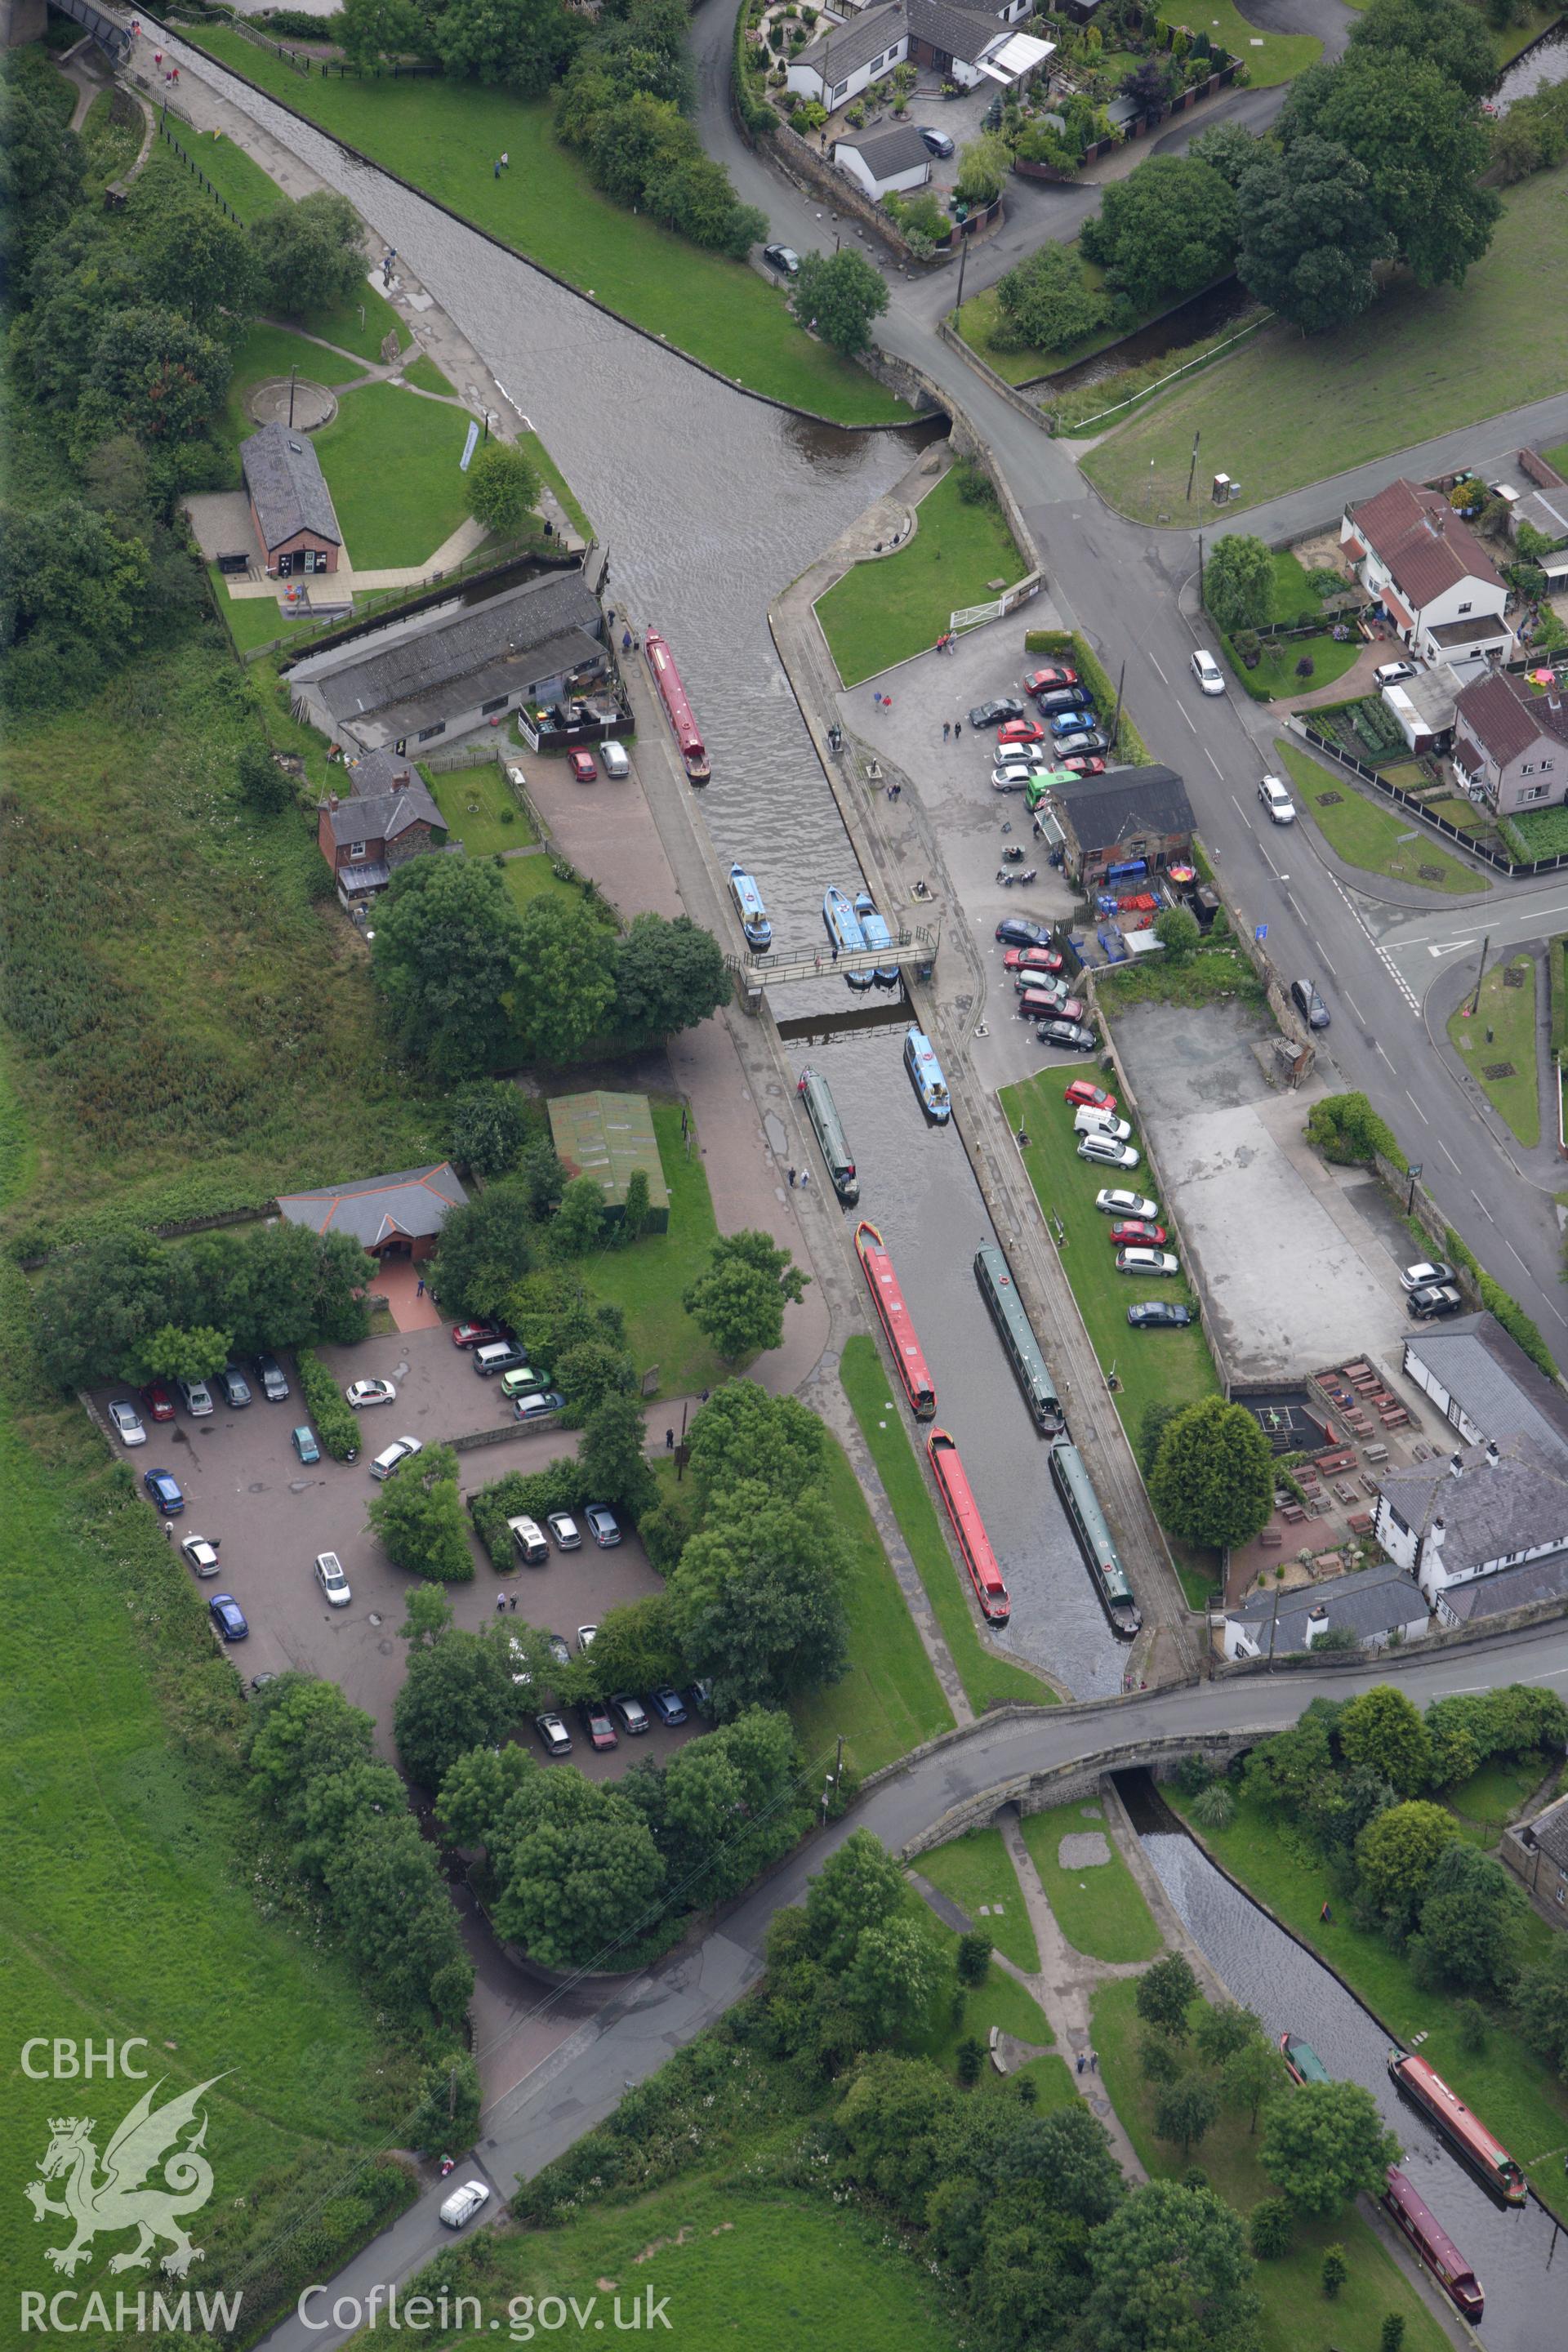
[973,1957]
[1346,1130]
[1334,2273]
[332,1418]
[1305,667]
[1271,2229]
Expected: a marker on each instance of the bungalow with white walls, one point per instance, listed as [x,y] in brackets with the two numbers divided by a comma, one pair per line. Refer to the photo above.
[885,163]
[966,45]
[845,60]
[1484,1385]
[1430,573]
[1486,1509]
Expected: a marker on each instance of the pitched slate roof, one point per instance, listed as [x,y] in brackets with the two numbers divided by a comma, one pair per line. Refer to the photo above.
[414,659]
[1493,1381]
[1103,810]
[1513,1588]
[379,1207]
[287,487]
[1505,718]
[1549,1831]
[383,815]
[850,46]
[886,154]
[1424,544]
[961,34]
[1492,1508]
[1370,1601]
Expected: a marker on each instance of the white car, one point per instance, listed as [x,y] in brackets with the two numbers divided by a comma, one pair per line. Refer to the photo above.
[1430,1271]
[1106,1149]
[1146,1260]
[363,1392]
[1392,673]
[126,1423]
[402,1450]
[331,1577]
[1088,1120]
[586,1636]
[1276,801]
[522,1673]
[202,1555]
[464,2203]
[1208,673]
[1128,1204]
[1012,776]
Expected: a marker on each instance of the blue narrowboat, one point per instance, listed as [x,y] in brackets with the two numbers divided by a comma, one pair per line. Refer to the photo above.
[920,1060]
[754,923]
[875,932]
[844,929]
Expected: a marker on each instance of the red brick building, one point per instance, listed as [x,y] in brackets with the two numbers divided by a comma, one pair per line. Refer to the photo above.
[386,818]
[291,508]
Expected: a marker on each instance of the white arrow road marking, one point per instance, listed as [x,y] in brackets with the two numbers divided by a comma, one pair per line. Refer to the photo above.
[1452,948]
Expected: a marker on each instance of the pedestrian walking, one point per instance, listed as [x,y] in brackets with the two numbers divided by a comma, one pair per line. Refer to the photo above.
[897,791]
[498,167]
[515,1604]
[169,1530]
[791,1180]
[946,730]
[500,1605]
[610,618]
[670,1441]
[805,1178]
[957,729]
[625,641]
[835,951]
[419,1287]
[1326,1916]
[705,1395]
[1094,2062]
[1081,2062]
[505,161]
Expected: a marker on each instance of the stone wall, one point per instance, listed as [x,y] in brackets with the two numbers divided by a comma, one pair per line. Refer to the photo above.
[1035,1793]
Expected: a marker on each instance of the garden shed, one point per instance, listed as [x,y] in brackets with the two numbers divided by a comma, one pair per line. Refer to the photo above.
[607,1136]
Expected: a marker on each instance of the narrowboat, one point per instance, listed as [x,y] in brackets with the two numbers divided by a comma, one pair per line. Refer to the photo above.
[874,930]
[672,694]
[974,1543]
[1302,2062]
[844,929]
[1000,1292]
[893,1316]
[754,924]
[1485,2157]
[1434,2245]
[925,1071]
[1100,1556]
[823,1112]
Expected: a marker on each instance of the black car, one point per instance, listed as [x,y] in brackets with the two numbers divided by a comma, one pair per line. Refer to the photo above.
[273,1379]
[1308,1004]
[1435,1299]
[1070,1034]
[937,142]
[784,259]
[1063,697]
[994,714]
[1017,931]
[1159,1315]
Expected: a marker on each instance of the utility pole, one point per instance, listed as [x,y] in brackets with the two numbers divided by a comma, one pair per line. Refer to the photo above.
[1116,722]
[1474,1005]
[963,266]
[1193,468]
[293,374]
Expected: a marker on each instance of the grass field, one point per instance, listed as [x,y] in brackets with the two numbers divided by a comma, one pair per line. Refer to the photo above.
[480,810]
[975,1871]
[1365,834]
[1001,2000]
[424,373]
[1170,1367]
[381,436]
[646,1281]
[883,611]
[1513,2093]
[988,1681]
[1269,57]
[1504,1031]
[1496,1795]
[1099,1910]
[1287,409]
[1275,674]
[443,137]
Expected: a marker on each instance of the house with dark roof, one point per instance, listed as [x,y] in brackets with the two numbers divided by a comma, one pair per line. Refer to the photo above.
[845,60]
[1130,821]
[387,819]
[885,163]
[291,508]
[1484,1386]
[1511,742]
[1378,1605]
[969,41]
[1536,1851]
[1430,573]
[1486,1510]
[389,1216]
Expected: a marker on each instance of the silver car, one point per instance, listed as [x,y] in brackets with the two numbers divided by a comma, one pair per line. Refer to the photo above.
[1106,1151]
[330,1576]
[401,1450]
[568,1534]
[126,1423]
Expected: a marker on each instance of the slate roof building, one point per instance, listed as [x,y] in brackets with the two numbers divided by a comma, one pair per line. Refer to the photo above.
[386,818]
[1488,1508]
[1511,743]
[390,1216]
[967,40]
[1433,576]
[291,508]
[885,163]
[1127,821]
[1486,1386]
[1376,1604]
[1536,1851]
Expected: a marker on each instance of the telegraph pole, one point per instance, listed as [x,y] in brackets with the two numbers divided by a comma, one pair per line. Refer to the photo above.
[1475,1003]
[1193,468]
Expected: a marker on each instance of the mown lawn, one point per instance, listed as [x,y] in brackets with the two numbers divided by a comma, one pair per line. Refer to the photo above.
[1274,675]
[1269,57]
[1496,1795]
[253,620]
[392,465]
[1365,834]
[424,373]
[883,611]
[1287,409]
[443,137]
[1099,1910]
[1502,1034]
[647,1280]
[1001,2001]
[976,1873]
[1513,2092]
[988,1681]
[480,808]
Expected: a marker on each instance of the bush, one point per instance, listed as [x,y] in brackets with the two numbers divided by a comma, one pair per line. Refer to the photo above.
[332,1418]
[973,1957]
[1334,2273]
[1271,2229]
[1346,1130]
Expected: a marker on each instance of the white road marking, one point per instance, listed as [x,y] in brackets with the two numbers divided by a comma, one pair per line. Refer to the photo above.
[1481,1204]
[1417,1107]
[1448,1156]
[1354,1007]
[1186,716]
[1452,949]
[1515,1255]
[1386,1057]
[1159,672]
[1328,968]
[1213,763]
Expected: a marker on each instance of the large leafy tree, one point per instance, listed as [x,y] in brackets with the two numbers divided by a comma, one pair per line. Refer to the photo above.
[1165,1992]
[613,1457]
[892,1979]
[1446,33]
[1541,2006]
[370,31]
[1472,1923]
[418,1517]
[1310,234]
[668,976]
[1165,230]
[1214,1480]
[394,1911]
[310,253]
[203,265]
[458,1695]
[1045,302]
[1326,2145]
[758,1599]
[67,575]
[447,955]
[80,275]
[1396,1854]
[742,1433]
[485,1248]
[526,43]
[1238,582]
[1380,1730]
[897,2121]
[737,1302]
[504,486]
[1174,2274]
[858,1888]
[41,167]
[570,987]
[490,1129]
[299,1731]
[839,294]
[156,375]
[1186,2110]
[576,1870]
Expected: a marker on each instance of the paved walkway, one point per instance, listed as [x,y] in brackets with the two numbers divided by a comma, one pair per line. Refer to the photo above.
[412,1307]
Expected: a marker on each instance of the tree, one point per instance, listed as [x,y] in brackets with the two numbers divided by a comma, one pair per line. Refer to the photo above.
[972,1958]
[1310,234]
[477,1789]
[393,1907]
[1223,2030]
[504,488]
[203,265]
[1334,2273]
[566,1004]
[526,43]
[1176,929]
[743,1434]
[1147,84]
[174,1354]
[984,166]
[1164,1994]
[1045,302]
[839,294]
[448,2113]
[1214,1480]
[1382,1729]
[577,1871]
[457,1694]
[80,275]
[1391,2334]
[1271,2228]
[302,1730]
[153,374]
[969,2058]
[758,1599]
[579,1224]
[889,1983]
[635,1649]
[261,780]
[1159,2060]
[1326,2145]
[667,976]
[859,1888]
[41,167]
[484,1249]
[589,1372]
[1165,230]
[489,1128]
[1446,32]
[1228,149]
[1396,1854]
[739,1302]
[637,1207]
[896,2121]
[68,577]
[1174,2273]
[1540,2006]
[1238,582]
[426,1615]
[418,1518]
[449,952]
[1249,2076]
[1472,1923]
[612,1460]
[1185,2110]
[370,31]
[310,253]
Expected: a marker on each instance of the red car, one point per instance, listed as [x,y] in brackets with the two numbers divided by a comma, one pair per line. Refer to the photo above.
[581,766]
[1038,1003]
[1021,731]
[594,1719]
[160,1405]
[1081,1092]
[1085,764]
[1046,681]
[1034,960]
[473,1335]
[1138,1234]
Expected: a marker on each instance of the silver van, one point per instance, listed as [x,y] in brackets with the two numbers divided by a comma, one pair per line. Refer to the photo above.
[499,1355]
[528,1542]
[614,761]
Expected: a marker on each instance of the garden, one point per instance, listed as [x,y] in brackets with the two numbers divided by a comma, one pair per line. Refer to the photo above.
[1495,1036]
[1284,629]
[894,606]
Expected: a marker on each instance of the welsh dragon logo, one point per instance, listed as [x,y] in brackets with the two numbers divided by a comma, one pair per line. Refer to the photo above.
[113,2197]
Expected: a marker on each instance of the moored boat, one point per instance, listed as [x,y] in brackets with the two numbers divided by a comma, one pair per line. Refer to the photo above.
[1101,1557]
[974,1543]
[1433,2243]
[874,930]
[823,1112]
[844,929]
[1302,2062]
[925,1070]
[755,926]
[672,694]
[888,1299]
[1422,2084]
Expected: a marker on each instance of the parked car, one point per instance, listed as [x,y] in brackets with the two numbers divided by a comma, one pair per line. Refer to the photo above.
[498,1356]
[1392,673]
[1084,1090]
[1020,731]
[1437,1298]
[539,1406]
[559,1649]
[553,1735]
[595,1717]
[367,1393]
[1138,1232]
[524,1380]
[304,1442]
[1042,999]
[1049,675]
[583,771]
[1427,1274]
[700,1699]
[1147,1261]
[228,1617]
[401,1450]
[236,1388]
[1108,1151]
[1276,801]
[586,1636]
[528,1540]
[1086,1120]
[614,761]
[566,1530]
[629,1713]
[937,142]
[273,1378]
[464,2203]
[1308,1004]
[1018,932]
[1084,763]
[1207,671]
[163,1492]
[1012,776]
[667,1705]
[196,1397]
[126,1422]
[332,1580]
[1070,719]
[1053,984]
[1159,1314]
[784,259]
[1125,1204]
[1083,739]
[994,714]
[474,1335]
[1055,698]
[1049,960]
[201,1554]
[1070,1034]
[160,1405]
[602,1526]
[1063,1008]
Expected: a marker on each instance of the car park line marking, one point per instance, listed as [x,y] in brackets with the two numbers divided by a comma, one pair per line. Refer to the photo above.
[1417,1107]
[1159,672]
[1448,1156]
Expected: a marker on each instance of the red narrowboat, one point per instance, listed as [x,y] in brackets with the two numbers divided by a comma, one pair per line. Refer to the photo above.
[974,1543]
[1471,2139]
[1436,2248]
[672,694]
[894,1318]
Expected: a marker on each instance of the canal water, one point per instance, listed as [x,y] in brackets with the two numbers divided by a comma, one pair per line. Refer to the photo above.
[708,504]
[1515,2254]
[1546,61]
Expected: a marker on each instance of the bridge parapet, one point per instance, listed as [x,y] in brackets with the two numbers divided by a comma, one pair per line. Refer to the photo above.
[1036,1792]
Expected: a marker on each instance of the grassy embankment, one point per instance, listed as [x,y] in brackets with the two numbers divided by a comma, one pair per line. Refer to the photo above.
[976,1873]
[892,606]
[1364,833]
[1287,409]
[1498,1045]
[1275,674]
[1097,1908]
[443,137]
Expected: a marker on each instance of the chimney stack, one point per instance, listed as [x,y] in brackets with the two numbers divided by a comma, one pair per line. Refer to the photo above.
[331,800]
[1493,1456]
[1455,1465]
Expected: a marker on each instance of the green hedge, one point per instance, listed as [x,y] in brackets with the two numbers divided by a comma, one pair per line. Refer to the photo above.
[1508,1310]
[756,117]
[334,1423]
[1346,1130]
[531,1494]
[1067,641]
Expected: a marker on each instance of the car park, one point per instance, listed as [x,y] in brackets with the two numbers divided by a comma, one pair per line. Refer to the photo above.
[228,1617]
[234,1387]
[126,1423]
[614,761]
[994,714]
[937,142]
[586,1636]
[464,2203]
[667,1705]
[498,1356]
[602,1526]
[522,1381]
[595,1717]
[201,1555]
[1084,1090]
[784,259]
[1083,739]
[1071,1035]
[568,1534]
[1392,673]
[1021,731]
[360,1393]
[160,1405]
[1147,1261]
[1049,675]
[163,1492]
[1108,1151]
[272,1378]
[1138,1232]
[583,771]
[1159,1314]
[1308,1004]
[1125,1204]
[1435,1299]
[332,1580]
[475,1334]
[196,1397]
[1084,763]
[1054,698]
[528,1541]
[1276,801]
[303,1440]
[1427,1274]
[553,1735]
[1018,932]
[1208,673]
[401,1450]
[629,1713]
[1034,960]
[538,1407]
[1086,1120]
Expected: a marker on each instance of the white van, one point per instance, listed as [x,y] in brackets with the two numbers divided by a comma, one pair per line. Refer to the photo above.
[1088,1120]
[528,1542]
[614,761]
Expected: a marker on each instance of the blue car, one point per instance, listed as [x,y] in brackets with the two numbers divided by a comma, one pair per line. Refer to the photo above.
[305,1445]
[1069,722]
[666,1704]
[226,1615]
[164,1493]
